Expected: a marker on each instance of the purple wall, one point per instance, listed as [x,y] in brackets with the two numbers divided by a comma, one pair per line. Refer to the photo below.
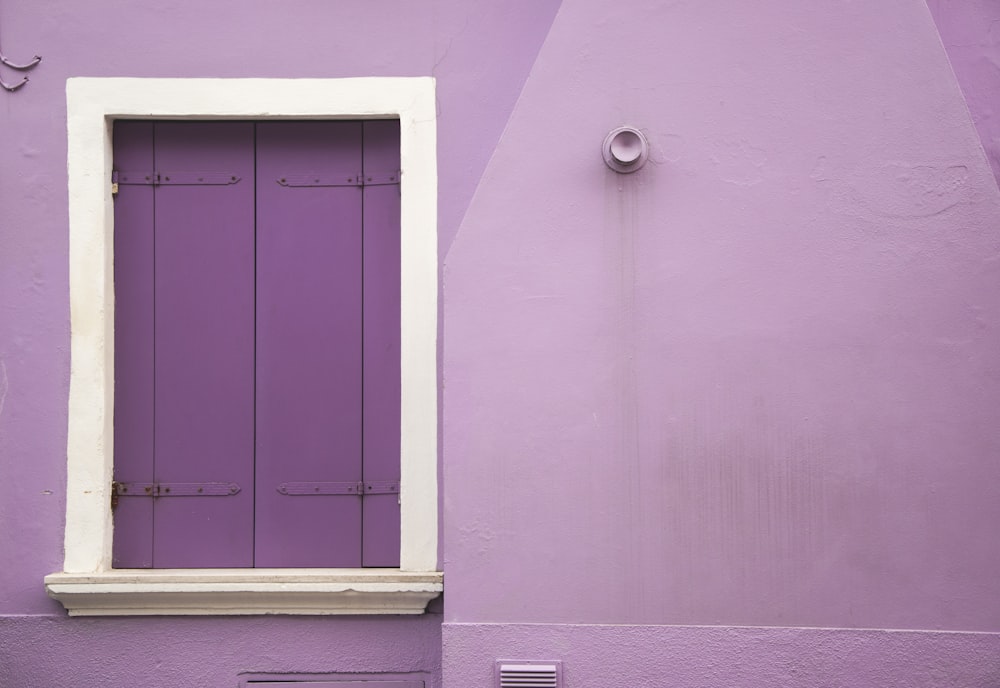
[970,32]
[753,384]
[50,652]
[480,54]
[721,657]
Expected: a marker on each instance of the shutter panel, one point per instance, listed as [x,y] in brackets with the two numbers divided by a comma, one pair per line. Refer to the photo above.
[133,246]
[309,304]
[257,343]
[381,341]
[204,311]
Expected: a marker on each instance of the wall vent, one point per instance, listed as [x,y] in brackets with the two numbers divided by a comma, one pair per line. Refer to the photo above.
[529,674]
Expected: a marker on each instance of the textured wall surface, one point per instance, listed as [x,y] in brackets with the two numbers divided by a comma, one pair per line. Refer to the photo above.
[970,32]
[703,657]
[47,652]
[183,38]
[480,53]
[756,382]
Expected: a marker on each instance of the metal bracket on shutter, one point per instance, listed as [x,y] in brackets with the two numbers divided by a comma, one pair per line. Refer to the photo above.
[119,178]
[382,179]
[313,180]
[119,490]
[174,489]
[381,487]
[180,178]
[295,489]
[197,178]
[364,487]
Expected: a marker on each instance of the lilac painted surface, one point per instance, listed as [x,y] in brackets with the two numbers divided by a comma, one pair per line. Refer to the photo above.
[184,388]
[204,344]
[381,341]
[307,358]
[305,368]
[754,383]
[480,53]
[813,366]
[309,310]
[134,327]
[970,32]
[706,657]
[161,652]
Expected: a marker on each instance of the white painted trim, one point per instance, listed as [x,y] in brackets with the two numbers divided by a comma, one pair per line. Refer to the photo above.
[92,106]
[244,591]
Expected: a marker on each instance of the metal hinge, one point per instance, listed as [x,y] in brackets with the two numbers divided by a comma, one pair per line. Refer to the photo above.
[360,488]
[176,178]
[312,180]
[171,490]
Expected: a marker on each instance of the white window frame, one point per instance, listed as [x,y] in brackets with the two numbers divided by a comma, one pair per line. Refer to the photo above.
[88,585]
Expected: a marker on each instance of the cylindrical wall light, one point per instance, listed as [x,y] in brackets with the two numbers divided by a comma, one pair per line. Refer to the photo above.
[625,149]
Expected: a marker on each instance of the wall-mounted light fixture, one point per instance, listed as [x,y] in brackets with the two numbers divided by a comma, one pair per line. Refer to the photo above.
[625,149]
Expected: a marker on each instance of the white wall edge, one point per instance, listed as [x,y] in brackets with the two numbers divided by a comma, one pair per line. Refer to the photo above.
[92,106]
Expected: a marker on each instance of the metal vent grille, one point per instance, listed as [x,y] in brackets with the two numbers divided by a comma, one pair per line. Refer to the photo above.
[528,674]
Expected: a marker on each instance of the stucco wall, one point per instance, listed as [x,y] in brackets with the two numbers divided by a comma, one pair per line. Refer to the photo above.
[970,33]
[753,384]
[715,656]
[480,54]
[51,652]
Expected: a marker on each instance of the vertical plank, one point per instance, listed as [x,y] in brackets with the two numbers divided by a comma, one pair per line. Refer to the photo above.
[133,267]
[381,342]
[308,342]
[204,344]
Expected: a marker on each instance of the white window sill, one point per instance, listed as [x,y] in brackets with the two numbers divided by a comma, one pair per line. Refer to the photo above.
[145,592]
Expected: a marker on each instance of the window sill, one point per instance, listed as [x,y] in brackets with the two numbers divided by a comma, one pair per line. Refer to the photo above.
[145,592]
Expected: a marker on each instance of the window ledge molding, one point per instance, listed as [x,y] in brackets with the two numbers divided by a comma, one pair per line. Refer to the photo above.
[175,592]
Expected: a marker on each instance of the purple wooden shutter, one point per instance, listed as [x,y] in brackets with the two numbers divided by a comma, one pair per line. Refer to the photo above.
[133,242]
[184,325]
[204,341]
[257,343]
[309,305]
[381,340]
